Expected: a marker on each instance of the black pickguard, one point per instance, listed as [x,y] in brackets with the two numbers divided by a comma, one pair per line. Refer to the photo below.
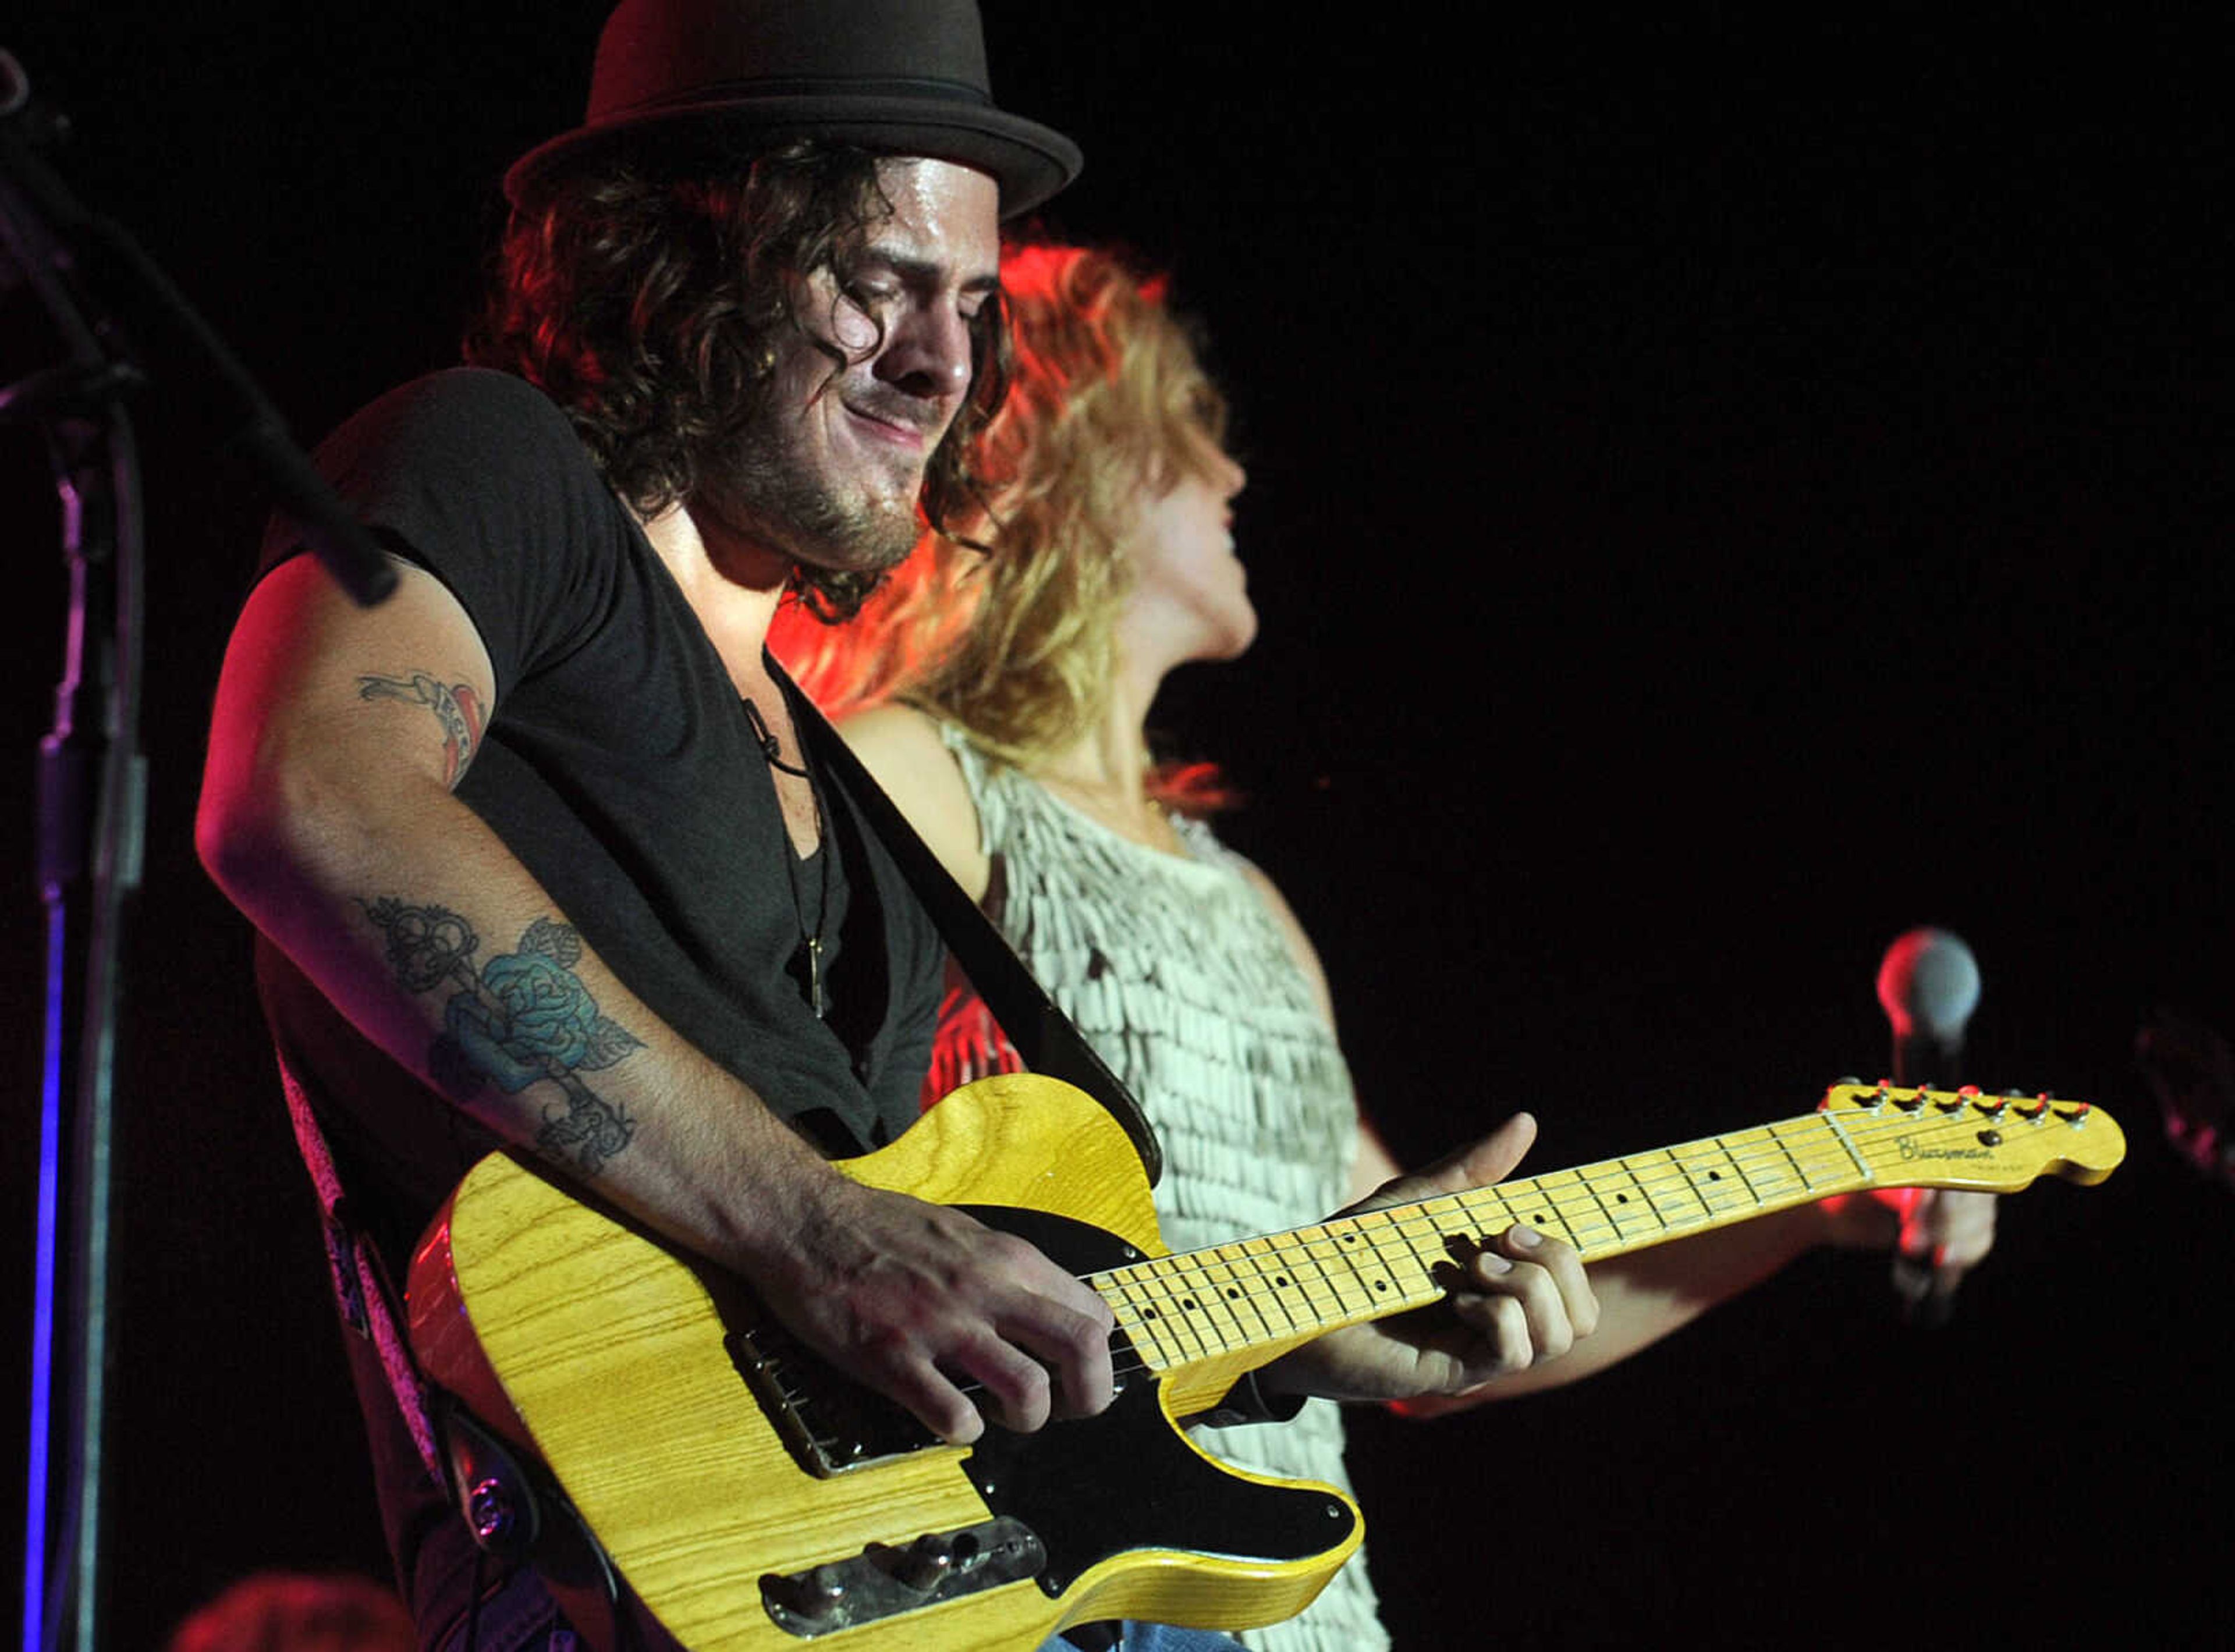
[1126,1480]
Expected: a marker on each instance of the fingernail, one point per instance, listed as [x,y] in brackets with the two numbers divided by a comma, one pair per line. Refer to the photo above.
[1491,1262]
[1527,1238]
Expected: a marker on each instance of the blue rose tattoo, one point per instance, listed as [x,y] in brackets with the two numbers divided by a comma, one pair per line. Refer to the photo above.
[524,1017]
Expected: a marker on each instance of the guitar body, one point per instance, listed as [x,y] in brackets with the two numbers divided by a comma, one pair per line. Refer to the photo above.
[751,1499]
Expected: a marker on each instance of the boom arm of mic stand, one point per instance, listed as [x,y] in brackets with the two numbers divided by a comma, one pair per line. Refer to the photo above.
[111,264]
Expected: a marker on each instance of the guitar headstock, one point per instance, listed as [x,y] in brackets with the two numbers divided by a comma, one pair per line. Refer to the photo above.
[1970,1138]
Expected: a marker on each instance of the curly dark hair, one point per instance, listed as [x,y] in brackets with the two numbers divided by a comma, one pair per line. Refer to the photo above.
[649,307]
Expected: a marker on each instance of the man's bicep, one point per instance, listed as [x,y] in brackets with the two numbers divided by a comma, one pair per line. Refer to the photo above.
[402,688]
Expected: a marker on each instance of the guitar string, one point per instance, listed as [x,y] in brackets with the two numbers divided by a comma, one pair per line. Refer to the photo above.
[1557,1199]
[1824,1165]
[1817,1162]
[1416,1228]
[1322,1250]
[1580,1191]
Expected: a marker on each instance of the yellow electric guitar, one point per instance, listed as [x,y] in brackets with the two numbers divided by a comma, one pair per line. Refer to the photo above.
[753,1500]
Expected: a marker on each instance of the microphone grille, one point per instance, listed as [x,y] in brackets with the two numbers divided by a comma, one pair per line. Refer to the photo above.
[1929,983]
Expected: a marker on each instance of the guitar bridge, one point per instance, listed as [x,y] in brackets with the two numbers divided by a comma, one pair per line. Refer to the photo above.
[885,1579]
[829,1424]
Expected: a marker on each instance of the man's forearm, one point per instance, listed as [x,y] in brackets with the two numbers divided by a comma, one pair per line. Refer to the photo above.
[410,914]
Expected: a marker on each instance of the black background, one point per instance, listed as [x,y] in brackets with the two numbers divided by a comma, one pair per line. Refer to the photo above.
[1720,495]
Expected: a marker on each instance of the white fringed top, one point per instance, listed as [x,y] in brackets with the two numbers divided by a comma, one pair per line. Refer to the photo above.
[1180,977]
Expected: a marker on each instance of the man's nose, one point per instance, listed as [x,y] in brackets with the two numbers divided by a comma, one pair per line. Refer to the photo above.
[927,355]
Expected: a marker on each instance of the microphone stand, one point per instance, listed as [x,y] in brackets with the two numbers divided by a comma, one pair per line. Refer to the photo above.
[89,274]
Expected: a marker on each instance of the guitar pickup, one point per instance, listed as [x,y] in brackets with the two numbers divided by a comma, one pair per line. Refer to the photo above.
[888,1579]
[829,1424]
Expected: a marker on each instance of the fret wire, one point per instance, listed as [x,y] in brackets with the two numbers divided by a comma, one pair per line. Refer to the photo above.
[1789,1163]
[1671,1195]
[1477,1203]
[1614,1218]
[1543,1199]
[1211,1303]
[1257,1250]
[1818,1122]
[1788,1157]
[1235,1291]
[1700,1190]
[1341,1292]
[1395,1248]
[1753,1191]
[1347,1252]
[1169,1316]
[1416,1255]
[1343,1240]
[1145,1333]
[1187,1289]
[1322,1293]
[1608,1215]
[1652,1206]
[1552,1215]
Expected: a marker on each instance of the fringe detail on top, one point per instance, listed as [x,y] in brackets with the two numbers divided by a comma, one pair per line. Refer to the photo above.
[1180,977]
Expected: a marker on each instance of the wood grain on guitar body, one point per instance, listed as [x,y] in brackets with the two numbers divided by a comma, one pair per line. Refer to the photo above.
[752,1500]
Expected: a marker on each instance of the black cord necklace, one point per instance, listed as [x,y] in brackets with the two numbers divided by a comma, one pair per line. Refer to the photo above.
[773,751]
[810,935]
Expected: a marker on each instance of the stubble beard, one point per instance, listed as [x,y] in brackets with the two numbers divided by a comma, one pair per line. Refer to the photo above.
[766,494]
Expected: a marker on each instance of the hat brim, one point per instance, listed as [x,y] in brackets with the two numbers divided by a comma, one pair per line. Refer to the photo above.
[1031,162]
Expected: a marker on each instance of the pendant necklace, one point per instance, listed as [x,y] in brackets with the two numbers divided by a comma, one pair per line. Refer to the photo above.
[811,936]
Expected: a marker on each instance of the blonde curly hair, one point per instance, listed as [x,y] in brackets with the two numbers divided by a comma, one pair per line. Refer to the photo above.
[1006,623]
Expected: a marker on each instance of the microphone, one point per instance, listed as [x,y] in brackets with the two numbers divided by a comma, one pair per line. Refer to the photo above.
[1928,985]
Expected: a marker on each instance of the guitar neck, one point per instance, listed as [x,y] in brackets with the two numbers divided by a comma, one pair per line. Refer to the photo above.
[1232,1306]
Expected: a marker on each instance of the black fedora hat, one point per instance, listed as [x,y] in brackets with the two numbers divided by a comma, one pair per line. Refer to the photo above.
[679,79]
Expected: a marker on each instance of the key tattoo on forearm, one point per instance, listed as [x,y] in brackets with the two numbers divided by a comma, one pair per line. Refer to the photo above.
[457,708]
[523,1018]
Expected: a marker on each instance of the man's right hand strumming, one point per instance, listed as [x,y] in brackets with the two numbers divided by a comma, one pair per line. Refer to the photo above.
[959,1322]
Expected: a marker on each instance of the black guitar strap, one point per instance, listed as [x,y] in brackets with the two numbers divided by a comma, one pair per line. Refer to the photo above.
[367,1297]
[1044,1035]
